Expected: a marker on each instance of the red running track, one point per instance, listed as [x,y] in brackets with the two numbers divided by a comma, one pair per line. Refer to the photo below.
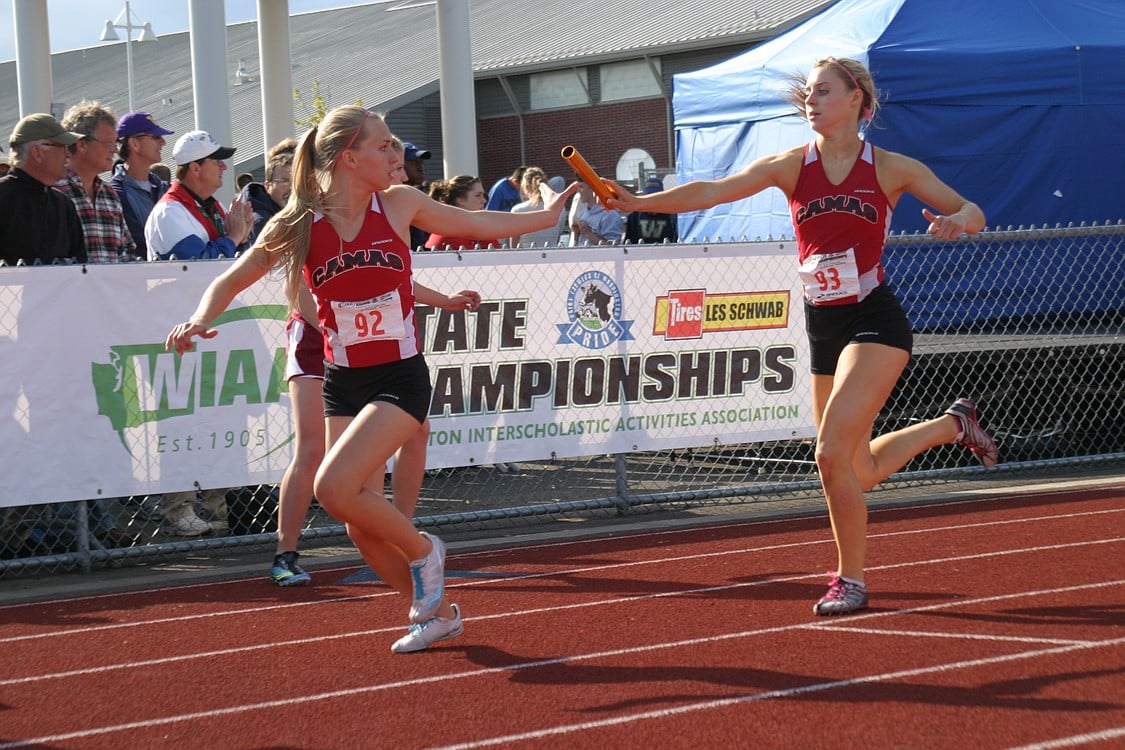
[994,624]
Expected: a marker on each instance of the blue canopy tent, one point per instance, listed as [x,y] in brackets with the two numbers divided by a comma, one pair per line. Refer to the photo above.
[1019,105]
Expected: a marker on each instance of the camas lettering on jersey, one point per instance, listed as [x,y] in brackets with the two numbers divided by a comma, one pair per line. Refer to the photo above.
[368,258]
[844,204]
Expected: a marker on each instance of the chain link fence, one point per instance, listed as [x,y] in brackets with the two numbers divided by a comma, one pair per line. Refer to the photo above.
[1029,323]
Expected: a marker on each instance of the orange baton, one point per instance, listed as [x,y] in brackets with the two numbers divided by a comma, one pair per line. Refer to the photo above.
[587,173]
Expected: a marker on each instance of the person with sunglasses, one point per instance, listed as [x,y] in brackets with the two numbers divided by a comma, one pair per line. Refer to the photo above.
[108,239]
[139,143]
[38,224]
[187,222]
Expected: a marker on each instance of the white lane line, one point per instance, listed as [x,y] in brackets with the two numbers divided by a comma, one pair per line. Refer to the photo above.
[827,625]
[694,530]
[566,729]
[957,636]
[548,574]
[1077,740]
[840,624]
[680,592]
[789,692]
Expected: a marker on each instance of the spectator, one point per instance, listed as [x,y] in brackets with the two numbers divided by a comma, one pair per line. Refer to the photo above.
[413,164]
[108,239]
[533,186]
[267,198]
[243,180]
[463,191]
[413,161]
[5,166]
[161,170]
[187,222]
[506,192]
[400,171]
[593,224]
[38,224]
[647,227]
[577,208]
[135,179]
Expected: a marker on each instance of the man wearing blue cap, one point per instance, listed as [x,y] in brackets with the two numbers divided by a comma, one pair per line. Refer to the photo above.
[139,142]
[413,159]
[413,164]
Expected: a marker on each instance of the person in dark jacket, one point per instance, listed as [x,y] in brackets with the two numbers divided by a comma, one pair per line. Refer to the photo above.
[267,198]
[38,224]
[648,227]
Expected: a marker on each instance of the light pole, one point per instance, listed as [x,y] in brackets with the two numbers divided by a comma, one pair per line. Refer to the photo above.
[125,21]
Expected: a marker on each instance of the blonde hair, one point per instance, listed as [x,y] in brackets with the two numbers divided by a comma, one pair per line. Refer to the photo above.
[532,178]
[287,233]
[854,75]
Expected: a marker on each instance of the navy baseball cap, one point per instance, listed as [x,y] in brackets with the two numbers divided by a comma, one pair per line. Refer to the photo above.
[410,152]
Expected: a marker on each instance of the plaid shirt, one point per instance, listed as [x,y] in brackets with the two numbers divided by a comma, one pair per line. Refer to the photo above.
[103,221]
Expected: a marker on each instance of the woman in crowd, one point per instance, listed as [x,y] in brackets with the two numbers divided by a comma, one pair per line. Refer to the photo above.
[466,192]
[534,186]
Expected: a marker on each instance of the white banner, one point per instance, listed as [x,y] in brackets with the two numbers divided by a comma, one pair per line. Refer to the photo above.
[573,353]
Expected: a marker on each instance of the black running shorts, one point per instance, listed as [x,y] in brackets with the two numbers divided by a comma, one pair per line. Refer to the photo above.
[406,384]
[878,319]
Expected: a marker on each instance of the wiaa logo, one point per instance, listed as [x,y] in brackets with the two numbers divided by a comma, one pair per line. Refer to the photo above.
[594,309]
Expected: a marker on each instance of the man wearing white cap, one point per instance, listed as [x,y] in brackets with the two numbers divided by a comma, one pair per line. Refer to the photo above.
[187,222]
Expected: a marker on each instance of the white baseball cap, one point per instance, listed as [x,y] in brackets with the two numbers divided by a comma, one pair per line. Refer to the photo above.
[198,144]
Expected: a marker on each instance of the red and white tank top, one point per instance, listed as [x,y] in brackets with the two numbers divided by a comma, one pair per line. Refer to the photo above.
[840,229]
[364,291]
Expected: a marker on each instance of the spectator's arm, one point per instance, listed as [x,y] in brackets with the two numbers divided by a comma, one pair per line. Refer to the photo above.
[171,230]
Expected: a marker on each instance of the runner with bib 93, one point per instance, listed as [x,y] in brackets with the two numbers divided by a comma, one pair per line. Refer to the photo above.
[841,191]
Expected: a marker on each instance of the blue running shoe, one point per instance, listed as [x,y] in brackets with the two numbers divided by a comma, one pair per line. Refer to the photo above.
[429,581]
[286,571]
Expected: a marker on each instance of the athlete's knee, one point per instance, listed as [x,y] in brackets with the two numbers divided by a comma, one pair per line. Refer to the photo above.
[831,458]
[333,493]
[307,456]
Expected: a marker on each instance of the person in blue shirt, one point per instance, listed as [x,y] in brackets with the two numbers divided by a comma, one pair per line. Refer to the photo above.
[506,192]
[139,143]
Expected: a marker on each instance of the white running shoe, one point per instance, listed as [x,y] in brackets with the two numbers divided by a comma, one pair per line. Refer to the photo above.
[429,581]
[430,632]
[186,524]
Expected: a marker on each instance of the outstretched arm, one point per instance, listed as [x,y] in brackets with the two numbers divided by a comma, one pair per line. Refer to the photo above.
[778,170]
[955,214]
[412,207]
[250,266]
